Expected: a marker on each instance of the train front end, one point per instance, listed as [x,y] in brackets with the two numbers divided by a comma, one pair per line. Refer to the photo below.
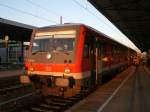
[51,65]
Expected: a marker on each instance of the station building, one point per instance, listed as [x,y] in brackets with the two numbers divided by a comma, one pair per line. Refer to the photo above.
[13,35]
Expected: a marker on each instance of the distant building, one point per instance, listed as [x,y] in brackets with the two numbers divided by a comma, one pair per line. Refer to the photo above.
[12,47]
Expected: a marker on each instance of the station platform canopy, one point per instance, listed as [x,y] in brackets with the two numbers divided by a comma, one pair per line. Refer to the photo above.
[12,37]
[132,17]
[15,30]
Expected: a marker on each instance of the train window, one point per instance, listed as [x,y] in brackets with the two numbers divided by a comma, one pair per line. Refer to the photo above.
[86,51]
[54,43]
[99,52]
[40,45]
[63,44]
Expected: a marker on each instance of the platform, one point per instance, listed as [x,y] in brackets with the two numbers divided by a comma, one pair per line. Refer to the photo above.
[127,92]
[10,73]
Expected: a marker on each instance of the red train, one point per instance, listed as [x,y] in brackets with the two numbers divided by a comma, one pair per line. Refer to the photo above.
[65,59]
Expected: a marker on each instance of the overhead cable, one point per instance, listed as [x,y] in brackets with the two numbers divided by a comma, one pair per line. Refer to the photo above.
[28,13]
[45,9]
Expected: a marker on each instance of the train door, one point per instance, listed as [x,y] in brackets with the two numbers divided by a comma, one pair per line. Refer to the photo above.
[96,54]
[92,63]
[91,51]
[99,64]
[89,59]
[98,61]
[92,60]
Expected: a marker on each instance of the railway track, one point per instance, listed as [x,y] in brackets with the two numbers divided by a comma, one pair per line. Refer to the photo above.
[14,92]
[16,97]
[19,102]
[35,102]
[29,103]
[9,81]
[12,89]
[56,103]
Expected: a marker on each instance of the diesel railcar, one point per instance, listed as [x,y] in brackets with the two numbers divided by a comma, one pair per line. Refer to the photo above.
[65,59]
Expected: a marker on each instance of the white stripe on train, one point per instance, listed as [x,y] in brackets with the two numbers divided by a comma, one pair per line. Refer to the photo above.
[80,75]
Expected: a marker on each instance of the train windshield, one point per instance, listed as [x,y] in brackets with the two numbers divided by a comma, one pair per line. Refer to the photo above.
[56,42]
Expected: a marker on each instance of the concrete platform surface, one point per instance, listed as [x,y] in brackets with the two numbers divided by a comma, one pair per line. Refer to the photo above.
[127,92]
[134,96]
[10,73]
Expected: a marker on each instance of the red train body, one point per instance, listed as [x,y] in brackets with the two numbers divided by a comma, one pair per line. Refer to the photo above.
[65,59]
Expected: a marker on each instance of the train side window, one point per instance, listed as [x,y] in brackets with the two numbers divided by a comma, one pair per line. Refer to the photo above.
[87,45]
[86,51]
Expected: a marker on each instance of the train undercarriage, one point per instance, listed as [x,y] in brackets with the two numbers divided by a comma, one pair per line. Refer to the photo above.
[58,86]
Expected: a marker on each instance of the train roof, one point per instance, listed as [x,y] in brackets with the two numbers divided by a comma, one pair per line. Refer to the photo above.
[62,25]
[80,24]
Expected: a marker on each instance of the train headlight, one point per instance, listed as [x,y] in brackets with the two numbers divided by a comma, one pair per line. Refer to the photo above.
[31,69]
[67,70]
[49,56]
